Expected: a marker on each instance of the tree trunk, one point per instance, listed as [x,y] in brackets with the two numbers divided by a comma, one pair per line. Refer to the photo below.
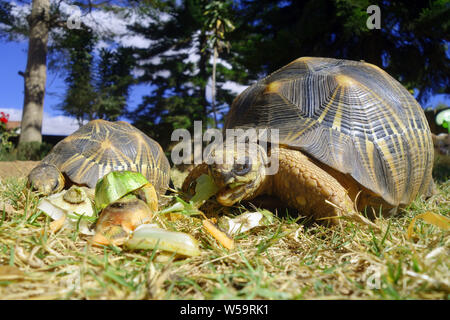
[203,75]
[36,72]
[213,86]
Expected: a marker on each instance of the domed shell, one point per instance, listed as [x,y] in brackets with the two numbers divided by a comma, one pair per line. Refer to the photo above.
[101,146]
[349,115]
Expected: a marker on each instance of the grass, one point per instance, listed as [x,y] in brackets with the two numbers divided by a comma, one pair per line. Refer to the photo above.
[287,259]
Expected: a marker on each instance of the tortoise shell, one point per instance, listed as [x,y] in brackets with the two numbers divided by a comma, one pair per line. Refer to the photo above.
[349,115]
[101,146]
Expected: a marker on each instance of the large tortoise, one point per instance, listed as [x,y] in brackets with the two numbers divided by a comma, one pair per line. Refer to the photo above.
[96,149]
[348,133]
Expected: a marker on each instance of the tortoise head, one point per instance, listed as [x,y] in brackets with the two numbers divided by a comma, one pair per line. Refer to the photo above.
[238,169]
[46,179]
[119,219]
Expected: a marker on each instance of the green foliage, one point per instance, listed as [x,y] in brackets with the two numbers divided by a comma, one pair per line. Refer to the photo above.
[5,13]
[12,26]
[80,95]
[112,82]
[411,44]
[33,150]
[217,24]
[5,135]
[98,87]
[260,36]
[218,21]
[6,146]
[177,66]
[27,151]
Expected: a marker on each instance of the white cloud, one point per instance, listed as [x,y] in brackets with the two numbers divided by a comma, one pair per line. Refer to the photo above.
[111,23]
[193,57]
[20,11]
[234,87]
[163,73]
[14,114]
[135,41]
[104,23]
[58,125]
[136,72]
[228,85]
[51,125]
[220,61]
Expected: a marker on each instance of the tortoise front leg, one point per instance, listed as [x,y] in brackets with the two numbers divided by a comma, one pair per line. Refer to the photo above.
[310,189]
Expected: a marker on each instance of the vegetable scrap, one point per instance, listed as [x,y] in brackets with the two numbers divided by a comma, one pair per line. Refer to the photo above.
[148,236]
[72,208]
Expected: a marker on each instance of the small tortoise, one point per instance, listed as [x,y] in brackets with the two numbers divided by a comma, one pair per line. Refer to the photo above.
[96,149]
[350,136]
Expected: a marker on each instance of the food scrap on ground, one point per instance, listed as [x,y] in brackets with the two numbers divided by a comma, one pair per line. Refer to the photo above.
[65,210]
[245,221]
[218,234]
[148,236]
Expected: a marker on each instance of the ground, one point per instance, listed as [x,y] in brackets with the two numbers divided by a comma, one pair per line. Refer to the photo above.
[290,258]
[16,168]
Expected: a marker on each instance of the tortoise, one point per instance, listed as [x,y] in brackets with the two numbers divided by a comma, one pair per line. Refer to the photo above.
[350,138]
[96,149]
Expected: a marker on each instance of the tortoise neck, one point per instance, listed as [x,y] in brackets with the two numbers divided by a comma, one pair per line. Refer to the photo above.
[266,186]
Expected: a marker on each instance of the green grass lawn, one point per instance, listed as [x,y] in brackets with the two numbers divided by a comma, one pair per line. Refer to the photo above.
[288,259]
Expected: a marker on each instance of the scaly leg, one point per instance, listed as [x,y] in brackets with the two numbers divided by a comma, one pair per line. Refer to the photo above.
[307,187]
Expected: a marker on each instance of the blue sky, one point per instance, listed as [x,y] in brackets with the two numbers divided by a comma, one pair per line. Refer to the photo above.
[13,58]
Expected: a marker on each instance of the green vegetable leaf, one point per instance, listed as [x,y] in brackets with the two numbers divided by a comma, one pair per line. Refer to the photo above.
[115,185]
[204,189]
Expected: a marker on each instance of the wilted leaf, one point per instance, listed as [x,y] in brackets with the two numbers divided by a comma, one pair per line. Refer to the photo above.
[435,219]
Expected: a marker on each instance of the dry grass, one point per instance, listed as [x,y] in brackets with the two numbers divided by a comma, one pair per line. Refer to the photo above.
[285,260]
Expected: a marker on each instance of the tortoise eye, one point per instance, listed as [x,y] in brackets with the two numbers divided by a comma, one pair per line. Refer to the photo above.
[241,169]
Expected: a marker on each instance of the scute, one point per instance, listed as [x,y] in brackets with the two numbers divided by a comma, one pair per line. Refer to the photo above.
[349,115]
[101,146]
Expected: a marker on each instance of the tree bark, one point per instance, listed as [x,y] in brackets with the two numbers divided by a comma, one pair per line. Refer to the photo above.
[203,75]
[36,72]
[213,86]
